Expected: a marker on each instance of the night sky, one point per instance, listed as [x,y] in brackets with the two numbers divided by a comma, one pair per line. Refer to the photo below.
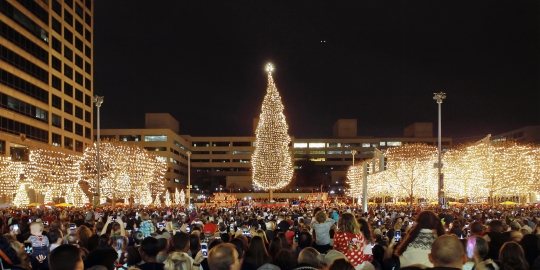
[377,61]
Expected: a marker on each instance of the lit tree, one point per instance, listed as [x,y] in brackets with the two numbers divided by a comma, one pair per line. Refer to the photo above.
[10,175]
[177,197]
[354,179]
[145,198]
[410,167]
[271,160]
[21,198]
[168,198]
[48,197]
[157,201]
[182,198]
[79,197]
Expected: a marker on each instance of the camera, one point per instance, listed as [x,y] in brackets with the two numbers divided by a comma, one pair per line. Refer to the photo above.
[204,250]
[397,237]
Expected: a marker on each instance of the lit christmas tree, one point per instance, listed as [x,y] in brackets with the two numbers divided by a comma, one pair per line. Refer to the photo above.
[145,198]
[271,161]
[177,197]
[168,198]
[79,198]
[48,196]
[21,198]
[157,201]
[182,198]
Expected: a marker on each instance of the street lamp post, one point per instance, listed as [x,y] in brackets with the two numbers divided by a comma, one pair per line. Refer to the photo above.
[439,98]
[353,152]
[98,101]
[189,177]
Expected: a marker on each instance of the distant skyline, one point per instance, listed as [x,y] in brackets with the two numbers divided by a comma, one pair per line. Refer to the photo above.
[376,62]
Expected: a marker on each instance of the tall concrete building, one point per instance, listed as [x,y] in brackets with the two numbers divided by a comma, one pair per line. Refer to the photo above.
[46,76]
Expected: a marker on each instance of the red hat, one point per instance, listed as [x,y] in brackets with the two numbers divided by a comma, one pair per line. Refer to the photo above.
[209,228]
[290,222]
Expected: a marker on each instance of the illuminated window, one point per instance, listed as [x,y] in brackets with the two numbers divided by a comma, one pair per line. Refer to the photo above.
[316,145]
[241,152]
[317,159]
[383,143]
[300,145]
[155,138]
[300,152]
[334,152]
[333,145]
[374,145]
[393,143]
[366,144]
[317,152]
[347,152]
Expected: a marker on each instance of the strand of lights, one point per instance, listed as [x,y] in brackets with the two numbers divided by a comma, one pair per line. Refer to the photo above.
[157,201]
[167,198]
[10,174]
[177,197]
[271,160]
[21,198]
[182,198]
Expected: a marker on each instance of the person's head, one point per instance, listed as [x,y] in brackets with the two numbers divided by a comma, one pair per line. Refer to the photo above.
[347,223]
[285,259]
[99,227]
[65,257]
[121,243]
[57,224]
[177,261]
[163,244]
[181,242]
[194,243]
[145,217]
[261,233]
[495,226]
[309,256]
[425,220]
[223,257]
[274,247]
[365,228]
[115,227]
[283,238]
[476,227]
[447,251]
[149,249]
[103,240]
[83,233]
[72,239]
[305,240]
[477,245]
[512,256]
[55,236]
[256,253]
[102,257]
[138,237]
[36,228]
[132,256]
[341,264]
[321,217]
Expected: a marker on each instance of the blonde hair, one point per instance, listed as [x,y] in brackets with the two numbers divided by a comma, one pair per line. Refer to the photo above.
[36,226]
[177,261]
[347,223]
[262,234]
[145,216]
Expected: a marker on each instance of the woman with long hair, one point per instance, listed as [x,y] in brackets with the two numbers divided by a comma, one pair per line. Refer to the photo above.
[178,261]
[262,234]
[256,254]
[283,238]
[274,247]
[349,240]
[121,245]
[512,257]
[83,234]
[130,258]
[416,246]
[366,230]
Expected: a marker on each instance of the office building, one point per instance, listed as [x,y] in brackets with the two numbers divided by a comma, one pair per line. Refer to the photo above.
[45,76]
[528,134]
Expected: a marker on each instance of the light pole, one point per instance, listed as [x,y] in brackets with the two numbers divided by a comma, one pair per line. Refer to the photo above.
[439,98]
[98,101]
[353,152]
[189,177]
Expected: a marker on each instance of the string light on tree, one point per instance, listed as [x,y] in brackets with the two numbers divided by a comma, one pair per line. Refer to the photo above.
[271,160]
[182,198]
[177,197]
[168,198]
[21,198]
[157,201]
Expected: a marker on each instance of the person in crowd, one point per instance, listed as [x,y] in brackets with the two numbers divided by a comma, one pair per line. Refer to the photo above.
[83,234]
[40,246]
[283,239]
[93,241]
[66,257]
[181,242]
[20,251]
[257,255]
[285,259]
[274,247]
[163,249]
[529,243]
[223,257]
[447,253]
[121,246]
[304,240]
[366,231]
[308,258]
[477,251]
[349,239]
[477,229]
[177,261]
[194,245]
[457,230]
[149,251]
[131,258]
[146,227]
[270,227]
[512,257]
[55,238]
[496,238]
[341,264]
[261,233]
[106,257]
[415,247]
[322,226]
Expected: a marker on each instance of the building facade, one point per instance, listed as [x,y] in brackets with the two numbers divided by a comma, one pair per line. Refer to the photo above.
[46,76]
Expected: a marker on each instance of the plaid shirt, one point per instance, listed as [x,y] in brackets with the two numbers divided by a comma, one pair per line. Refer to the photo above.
[147,228]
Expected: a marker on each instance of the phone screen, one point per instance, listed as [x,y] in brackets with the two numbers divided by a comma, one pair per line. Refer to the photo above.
[397,236]
[161,225]
[296,235]
[72,227]
[204,250]
[188,229]
[28,247]
[232,227]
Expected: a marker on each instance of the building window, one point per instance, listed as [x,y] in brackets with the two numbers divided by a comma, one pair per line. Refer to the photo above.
[130,138]
[68,53]
[87,51]
[88,35]
[316,145]
[393,144]
[366,145]
[56,102]
[241,144]
[78,78]
[87,117]
[78,95]
[56,45]
[221,160]
[68,17]
[17,128]
[78,146]
[56,83]
[78,129]
[201,152]
[68,143]
[241,152]
[300,145]
[56,120]
[87,68]
[56,26]
[200,144]
[156,149]
[155,138]
[56,140]
[79,10]
[221,144]
[241,160]
[68,36]
[88,4]
[317,152]
[68,71]
[68,125]
[300,152]
[383,143]
[56,63]
[87,100]
[79,63]
[79,27]
[87,84]
[68,107]
[334,152]
[88,19]
[87,133]
[78,112]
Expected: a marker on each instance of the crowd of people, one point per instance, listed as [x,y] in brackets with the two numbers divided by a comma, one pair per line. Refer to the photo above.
[288,238]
